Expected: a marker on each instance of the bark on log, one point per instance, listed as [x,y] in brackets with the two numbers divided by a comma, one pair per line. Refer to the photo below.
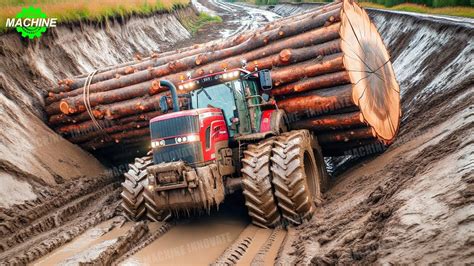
[201,56]
[88,126]
[202,51]
[76,104]
[128,137]
[318,102]
[285,57]
[318,82]
[142,79]
[88,135]
[347,135]
[330,122]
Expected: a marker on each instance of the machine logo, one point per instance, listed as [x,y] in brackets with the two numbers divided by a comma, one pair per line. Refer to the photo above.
[31,22]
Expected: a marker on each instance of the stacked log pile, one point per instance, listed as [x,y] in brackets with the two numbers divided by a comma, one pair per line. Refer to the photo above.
[330,70]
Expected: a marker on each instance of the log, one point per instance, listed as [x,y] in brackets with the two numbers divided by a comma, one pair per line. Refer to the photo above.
[330,122]
[76,104]
[135,106]
[347,135]
[131,136]
[286,51]
[318,102]
[85,136]
[318,82]
[88,126]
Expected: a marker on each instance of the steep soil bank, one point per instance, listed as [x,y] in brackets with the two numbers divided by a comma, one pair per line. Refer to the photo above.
[414,202]
[30,151]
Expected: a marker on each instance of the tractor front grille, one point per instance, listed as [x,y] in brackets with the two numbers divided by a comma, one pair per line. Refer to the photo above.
[187,152]
[176,126]
[171,128]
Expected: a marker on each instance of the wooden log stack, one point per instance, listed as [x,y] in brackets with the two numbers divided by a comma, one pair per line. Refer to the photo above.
[330,70]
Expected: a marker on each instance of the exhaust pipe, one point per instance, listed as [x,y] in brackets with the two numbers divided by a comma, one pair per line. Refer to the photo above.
[174,96]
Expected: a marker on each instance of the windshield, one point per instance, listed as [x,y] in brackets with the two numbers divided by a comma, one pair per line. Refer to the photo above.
[218,96]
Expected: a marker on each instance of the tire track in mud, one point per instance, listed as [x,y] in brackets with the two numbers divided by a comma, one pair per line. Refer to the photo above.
[149,238]
[31,231]
[254,246]
[19,216]
[248,18]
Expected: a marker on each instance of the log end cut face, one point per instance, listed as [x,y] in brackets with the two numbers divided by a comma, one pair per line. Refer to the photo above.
[375,89]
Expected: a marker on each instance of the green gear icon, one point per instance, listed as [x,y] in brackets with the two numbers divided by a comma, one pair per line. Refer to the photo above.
[31,32]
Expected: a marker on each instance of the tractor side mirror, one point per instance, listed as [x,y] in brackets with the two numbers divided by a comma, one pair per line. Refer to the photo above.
[163,104]
[265,97]
[265,79]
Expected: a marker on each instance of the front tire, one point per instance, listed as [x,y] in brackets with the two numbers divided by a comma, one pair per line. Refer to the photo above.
[133,201]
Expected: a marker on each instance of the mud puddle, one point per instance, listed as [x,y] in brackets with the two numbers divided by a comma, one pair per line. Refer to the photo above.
[94,238]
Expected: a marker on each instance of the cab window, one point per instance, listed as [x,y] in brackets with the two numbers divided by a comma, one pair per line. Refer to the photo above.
[218,96]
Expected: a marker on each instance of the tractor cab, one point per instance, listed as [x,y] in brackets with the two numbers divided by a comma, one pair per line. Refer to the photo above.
[238,94]
[221,109]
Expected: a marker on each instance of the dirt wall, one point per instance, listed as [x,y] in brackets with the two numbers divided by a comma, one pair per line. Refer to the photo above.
[31,154]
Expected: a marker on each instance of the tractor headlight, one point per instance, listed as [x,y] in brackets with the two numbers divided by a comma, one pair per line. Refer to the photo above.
[192,138]
[231,75]
[188,138]
[157,143]
[189,85]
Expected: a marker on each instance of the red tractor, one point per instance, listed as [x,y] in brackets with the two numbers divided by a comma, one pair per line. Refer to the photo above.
[230,136]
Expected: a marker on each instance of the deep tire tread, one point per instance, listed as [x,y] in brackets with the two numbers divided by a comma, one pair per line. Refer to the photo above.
[289,178]
[257,186]
[133,201]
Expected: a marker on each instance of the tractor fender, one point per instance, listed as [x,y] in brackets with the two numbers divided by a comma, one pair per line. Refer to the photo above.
[278,121]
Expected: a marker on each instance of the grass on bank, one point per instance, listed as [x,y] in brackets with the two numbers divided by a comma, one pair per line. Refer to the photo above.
[459,11]
[76,10]
[194,25]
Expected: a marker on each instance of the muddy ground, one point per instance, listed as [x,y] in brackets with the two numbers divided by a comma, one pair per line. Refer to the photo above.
[412,204]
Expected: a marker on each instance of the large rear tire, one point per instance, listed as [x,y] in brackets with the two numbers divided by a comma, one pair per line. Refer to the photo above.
[257,186]
[296,176]
[133,201]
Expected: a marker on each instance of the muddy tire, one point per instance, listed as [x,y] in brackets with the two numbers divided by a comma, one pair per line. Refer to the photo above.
[296,178]
[133,201]
[257,186]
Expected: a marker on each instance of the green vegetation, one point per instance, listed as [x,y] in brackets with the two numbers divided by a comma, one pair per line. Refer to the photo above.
[459,11]
[428,3]
[76,10]
[193,25]
[460,8]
